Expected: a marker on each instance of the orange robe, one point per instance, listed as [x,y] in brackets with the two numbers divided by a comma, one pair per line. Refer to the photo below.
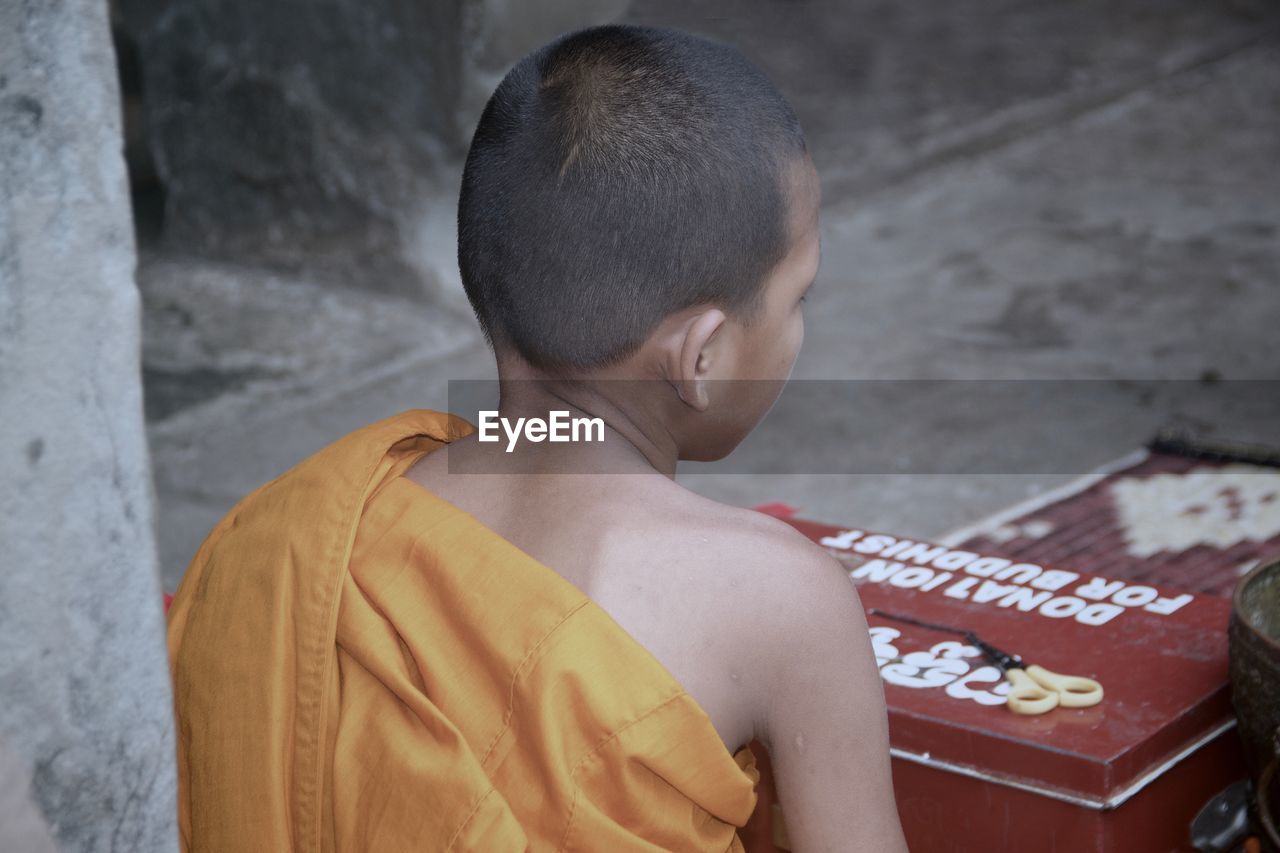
[359,665]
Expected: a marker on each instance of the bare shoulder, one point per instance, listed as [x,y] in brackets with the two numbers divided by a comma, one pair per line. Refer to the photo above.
[794,602]
[798,632]
[775,597]
[780,579]
[746,536]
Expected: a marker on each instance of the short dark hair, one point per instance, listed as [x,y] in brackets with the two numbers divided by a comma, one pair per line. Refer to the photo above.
[618,175]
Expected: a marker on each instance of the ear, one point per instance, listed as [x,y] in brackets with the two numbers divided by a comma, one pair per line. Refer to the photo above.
[697,358]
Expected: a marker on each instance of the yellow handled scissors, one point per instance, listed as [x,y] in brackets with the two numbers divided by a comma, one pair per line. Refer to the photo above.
[1033,689]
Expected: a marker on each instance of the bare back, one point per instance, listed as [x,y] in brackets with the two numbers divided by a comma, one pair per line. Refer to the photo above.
[641,547]
[761,627]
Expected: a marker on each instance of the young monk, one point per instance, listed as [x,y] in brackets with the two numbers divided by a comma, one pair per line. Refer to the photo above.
[416,640]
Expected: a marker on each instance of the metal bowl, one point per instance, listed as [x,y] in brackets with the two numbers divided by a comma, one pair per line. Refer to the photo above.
[1254,637]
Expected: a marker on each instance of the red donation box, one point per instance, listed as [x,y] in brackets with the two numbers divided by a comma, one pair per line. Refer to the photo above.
[1129,773]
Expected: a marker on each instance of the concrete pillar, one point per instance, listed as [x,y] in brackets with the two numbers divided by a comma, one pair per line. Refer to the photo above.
[84,690]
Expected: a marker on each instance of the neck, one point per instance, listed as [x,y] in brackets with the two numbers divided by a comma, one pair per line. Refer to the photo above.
[635,441]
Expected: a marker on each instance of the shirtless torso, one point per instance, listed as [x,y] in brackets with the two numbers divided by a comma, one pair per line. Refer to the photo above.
[760,626]
[665,563]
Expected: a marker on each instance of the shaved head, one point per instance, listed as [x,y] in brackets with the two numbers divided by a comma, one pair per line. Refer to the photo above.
[618,175]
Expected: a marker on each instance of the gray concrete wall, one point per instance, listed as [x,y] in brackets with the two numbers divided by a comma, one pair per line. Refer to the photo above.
[84,689]
[318,135]
[295,133]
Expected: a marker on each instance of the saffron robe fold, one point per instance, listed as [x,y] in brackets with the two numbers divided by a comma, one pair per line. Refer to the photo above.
[359,665]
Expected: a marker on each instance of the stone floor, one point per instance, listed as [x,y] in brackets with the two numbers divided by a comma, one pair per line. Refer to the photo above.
[1035,190]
